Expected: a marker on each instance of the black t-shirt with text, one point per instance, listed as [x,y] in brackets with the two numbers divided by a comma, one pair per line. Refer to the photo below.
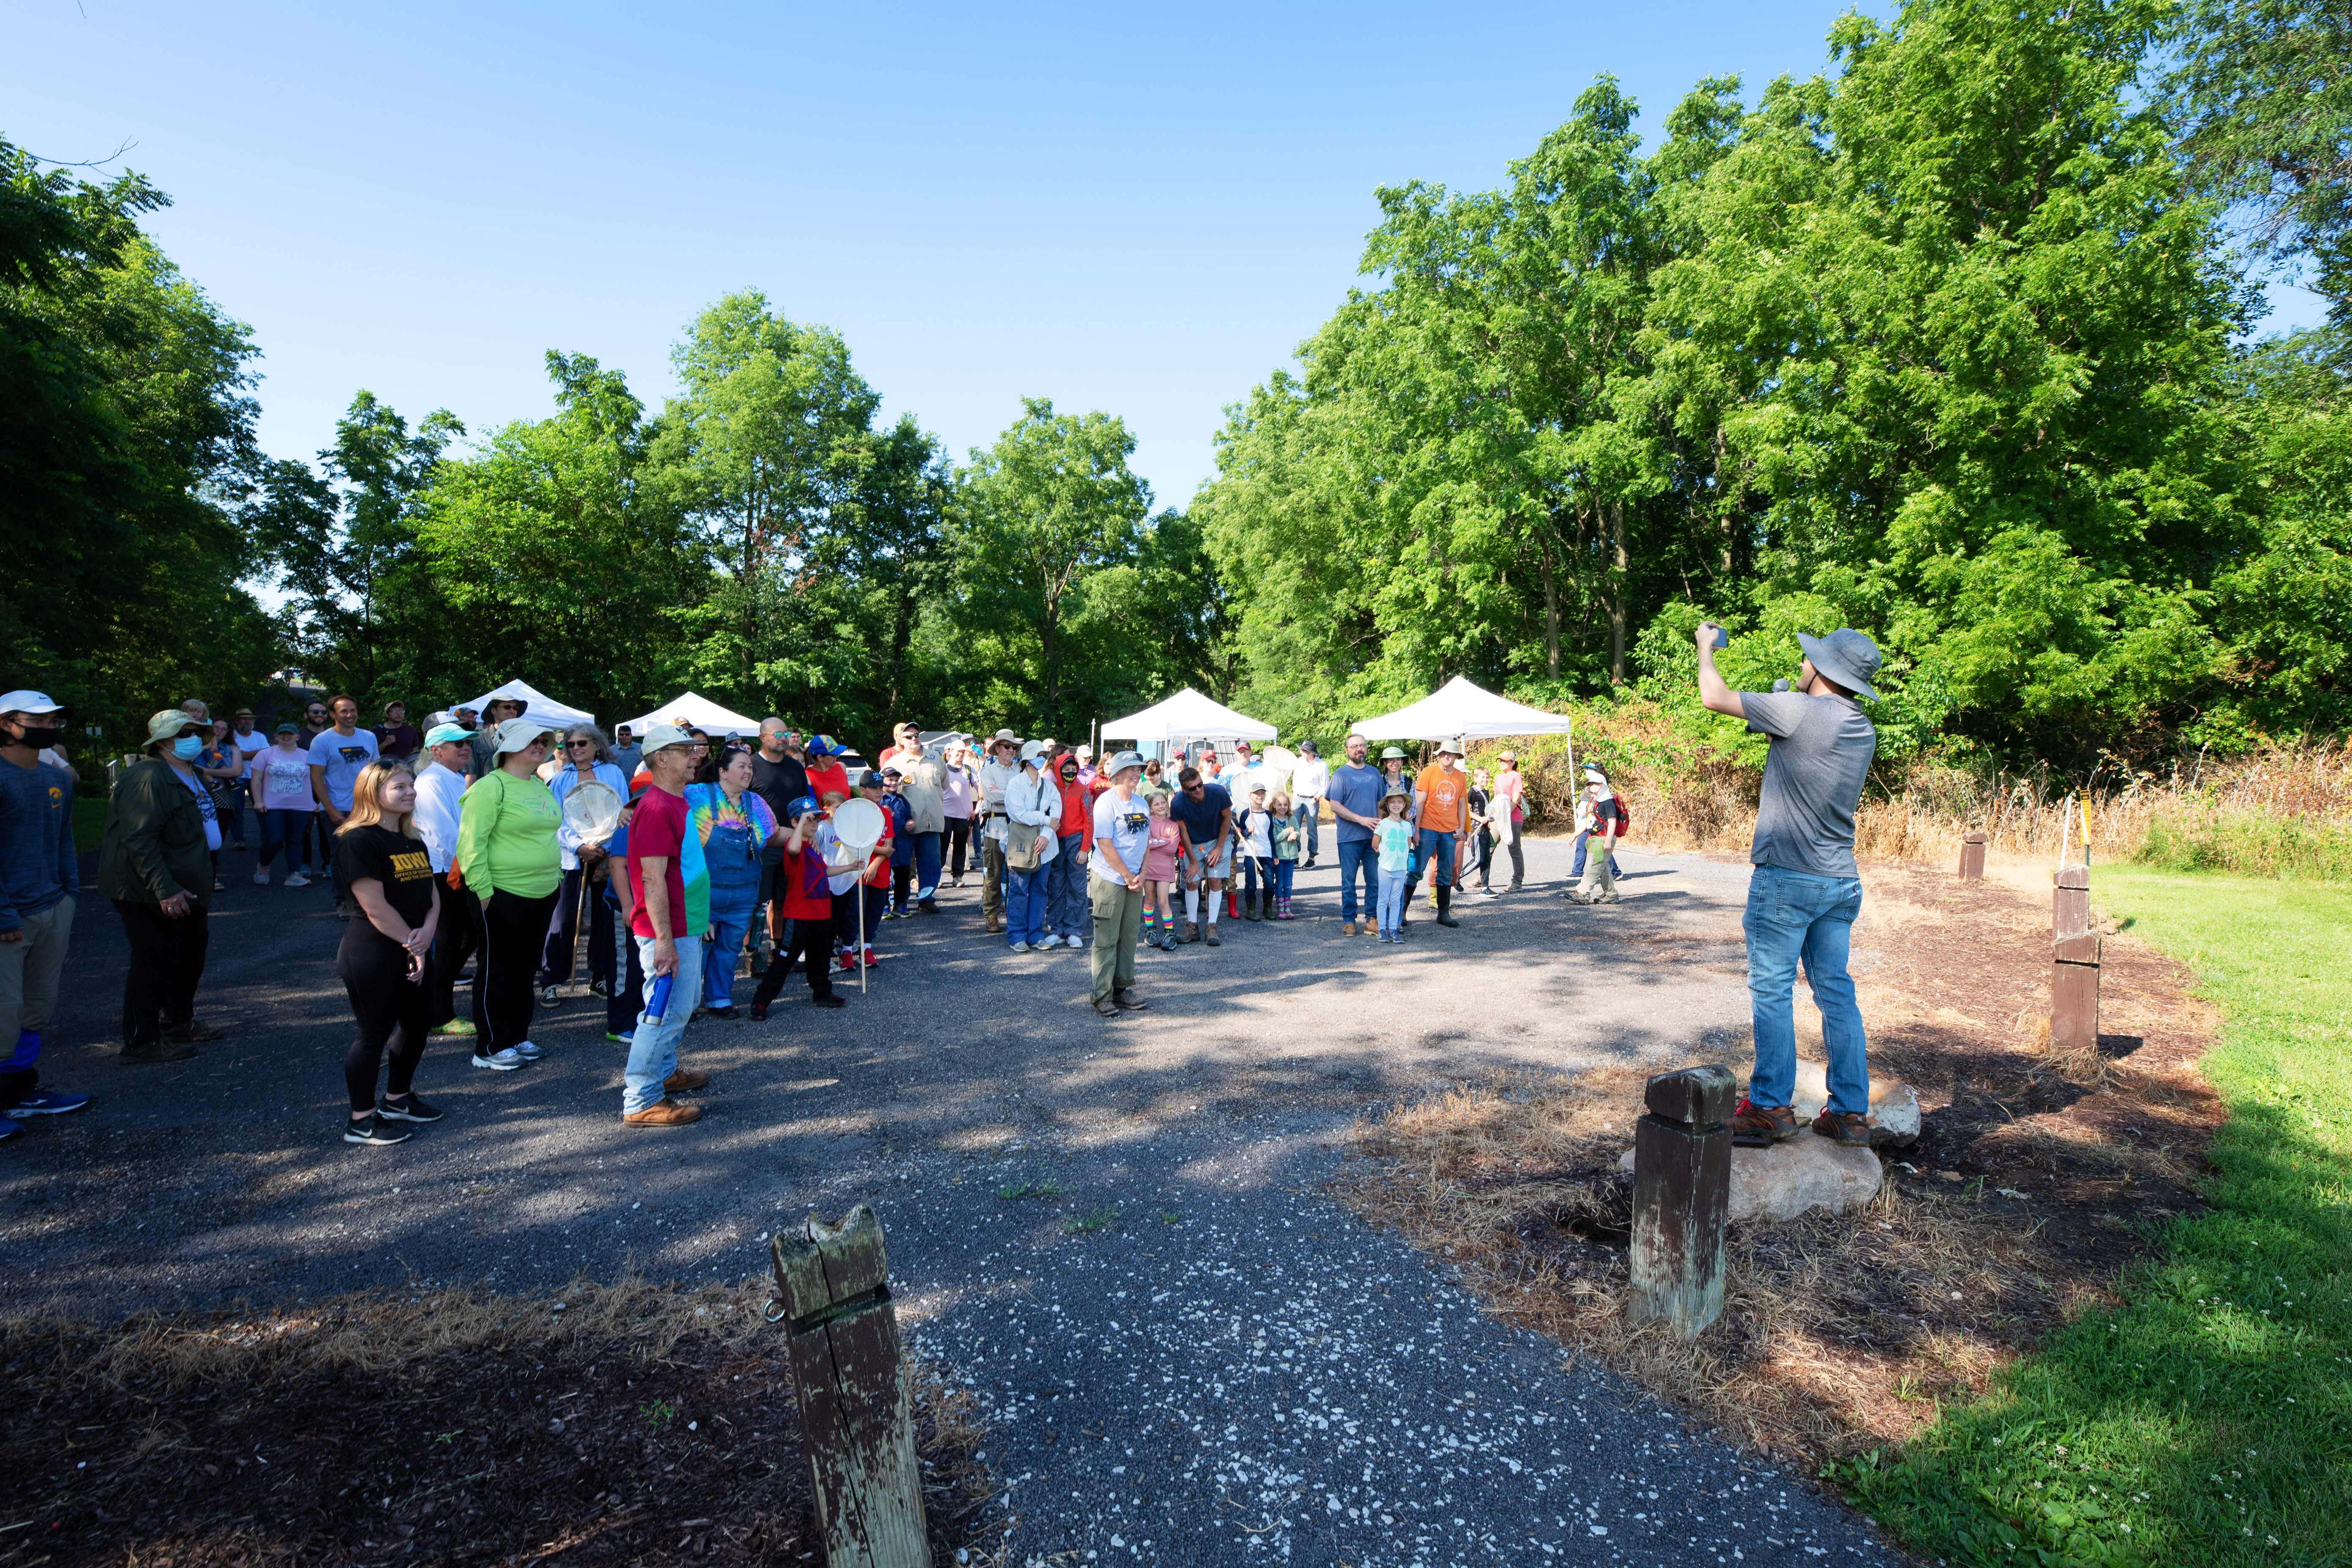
[399,863]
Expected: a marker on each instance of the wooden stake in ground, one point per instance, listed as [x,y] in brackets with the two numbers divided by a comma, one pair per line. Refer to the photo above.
[1682,1198]
[1972,854]
[2073,963]
[857,1412]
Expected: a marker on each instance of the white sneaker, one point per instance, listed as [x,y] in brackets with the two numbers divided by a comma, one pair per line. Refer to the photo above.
[1020,947]
[1049,943]
[261,877]
[298,880]
[500,1061]
[526,1051]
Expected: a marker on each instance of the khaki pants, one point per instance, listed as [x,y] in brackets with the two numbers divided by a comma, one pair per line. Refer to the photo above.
[1599,879]
[992,880]
[1118,924]
[29,968]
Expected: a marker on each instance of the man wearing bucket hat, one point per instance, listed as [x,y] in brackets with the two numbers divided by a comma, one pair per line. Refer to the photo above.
[1122,832]
[155,864]
[1805,890]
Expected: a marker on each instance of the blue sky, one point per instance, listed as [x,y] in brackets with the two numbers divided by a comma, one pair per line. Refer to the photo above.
[1136,209]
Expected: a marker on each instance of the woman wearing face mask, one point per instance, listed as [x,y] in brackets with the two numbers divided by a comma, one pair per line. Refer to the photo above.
[384,862]
[156,864]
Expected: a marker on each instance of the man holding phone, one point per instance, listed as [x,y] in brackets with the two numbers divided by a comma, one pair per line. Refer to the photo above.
[1805,890]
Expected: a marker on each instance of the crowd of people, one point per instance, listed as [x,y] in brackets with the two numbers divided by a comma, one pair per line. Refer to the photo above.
[459,855]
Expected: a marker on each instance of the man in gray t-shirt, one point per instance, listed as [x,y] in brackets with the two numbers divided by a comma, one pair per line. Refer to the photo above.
[1805,890]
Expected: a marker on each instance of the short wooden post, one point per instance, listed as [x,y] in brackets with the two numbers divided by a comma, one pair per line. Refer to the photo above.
[1973,853]
[2074,962]
[1682,1196]
[857,1412]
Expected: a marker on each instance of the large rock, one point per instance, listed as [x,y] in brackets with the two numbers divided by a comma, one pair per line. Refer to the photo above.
[1894,1107]
[1804,1174]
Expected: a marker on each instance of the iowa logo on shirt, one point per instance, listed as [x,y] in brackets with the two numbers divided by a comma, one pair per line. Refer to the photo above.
[411,866]
[55,795]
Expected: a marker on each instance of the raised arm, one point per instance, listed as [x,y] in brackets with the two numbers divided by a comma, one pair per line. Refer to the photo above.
[1714,692]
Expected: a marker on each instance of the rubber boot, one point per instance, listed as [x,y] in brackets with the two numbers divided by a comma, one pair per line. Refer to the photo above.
[1250,906]
[1232,903]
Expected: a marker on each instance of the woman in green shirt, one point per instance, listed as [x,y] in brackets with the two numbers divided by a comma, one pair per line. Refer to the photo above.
[507,861]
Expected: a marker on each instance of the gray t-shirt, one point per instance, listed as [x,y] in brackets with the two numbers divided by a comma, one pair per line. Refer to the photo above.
[1822,747]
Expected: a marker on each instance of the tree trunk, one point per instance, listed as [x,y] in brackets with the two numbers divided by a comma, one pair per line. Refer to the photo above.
[1551,613]
[1053,673]
[751,586]
[1617,594]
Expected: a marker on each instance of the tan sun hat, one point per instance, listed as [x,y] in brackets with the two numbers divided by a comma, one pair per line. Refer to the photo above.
[167,725]
[516,734]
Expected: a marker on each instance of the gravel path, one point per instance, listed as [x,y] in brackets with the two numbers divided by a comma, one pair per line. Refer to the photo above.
[1113,1232]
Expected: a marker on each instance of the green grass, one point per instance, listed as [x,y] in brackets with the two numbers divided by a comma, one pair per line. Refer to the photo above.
[2209,1419]
[2253,844]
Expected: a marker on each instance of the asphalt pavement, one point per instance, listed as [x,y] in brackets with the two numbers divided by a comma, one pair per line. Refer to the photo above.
[1112,1231]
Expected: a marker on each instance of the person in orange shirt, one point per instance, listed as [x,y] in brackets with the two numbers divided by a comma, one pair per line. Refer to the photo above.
[1440,808]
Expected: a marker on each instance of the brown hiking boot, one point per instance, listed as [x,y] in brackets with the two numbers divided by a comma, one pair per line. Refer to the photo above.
[995,926]
[1106,1006]
[1842,1127]
[1129,999]
[664,1114]
[1761,1126]
[1347,928]
[684,1080]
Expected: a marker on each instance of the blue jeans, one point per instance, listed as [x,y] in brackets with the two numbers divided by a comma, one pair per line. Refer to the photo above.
[1308,818]
[1392,900]
[1792,915]
[653,1049]
[1577,870]
[230,803]
[282,828]
[1357,859]
[1256,870]
[1024,905]
[1283,871]
[926,865]
[1438,856]
[719,953]
[1066,913]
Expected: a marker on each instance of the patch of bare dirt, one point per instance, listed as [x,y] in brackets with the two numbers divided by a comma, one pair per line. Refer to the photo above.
[638,1425]
[2037,1178]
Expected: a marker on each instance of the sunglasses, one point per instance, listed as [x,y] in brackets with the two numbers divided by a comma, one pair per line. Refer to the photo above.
[581,745]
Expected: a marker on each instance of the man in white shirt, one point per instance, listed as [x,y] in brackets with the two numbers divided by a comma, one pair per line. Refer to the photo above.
[1000,769]
[1310,776]
[439,784]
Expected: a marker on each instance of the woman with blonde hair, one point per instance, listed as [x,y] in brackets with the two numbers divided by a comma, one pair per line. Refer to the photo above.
[382,863]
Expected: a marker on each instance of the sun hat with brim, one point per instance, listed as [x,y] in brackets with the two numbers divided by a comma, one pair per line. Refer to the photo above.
[660,737]
[442,734]
[1392,754]
[516,734]
[1846,657]
[1033,751]
[33,703]
[1124,761]
[1398,792]
[1449,748]
[1308,747]
[167,724]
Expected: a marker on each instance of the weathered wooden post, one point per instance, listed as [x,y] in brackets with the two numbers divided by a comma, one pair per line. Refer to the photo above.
[857,1412]
[1972,854]
[1681,1194]
[2074,962]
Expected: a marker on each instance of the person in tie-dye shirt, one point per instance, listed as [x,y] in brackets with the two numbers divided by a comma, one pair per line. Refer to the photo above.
[733,825]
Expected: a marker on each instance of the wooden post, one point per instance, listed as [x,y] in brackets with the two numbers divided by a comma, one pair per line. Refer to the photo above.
[857,1413]
[1682,1195]
[1972,854]
[2074,962]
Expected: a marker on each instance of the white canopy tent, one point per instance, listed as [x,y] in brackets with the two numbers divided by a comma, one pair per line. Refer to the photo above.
[691,708]
[1460,710]
[1187,716]
[538,705]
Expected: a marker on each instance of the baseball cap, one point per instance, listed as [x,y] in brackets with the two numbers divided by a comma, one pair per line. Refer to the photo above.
[805,806]
[1033,751]
[441,735]
[288,728]
[27,701]
[892,774]
[658,736]
[823,746]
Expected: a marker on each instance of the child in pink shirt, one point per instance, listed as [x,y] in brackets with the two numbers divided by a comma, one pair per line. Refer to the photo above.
[1159,873]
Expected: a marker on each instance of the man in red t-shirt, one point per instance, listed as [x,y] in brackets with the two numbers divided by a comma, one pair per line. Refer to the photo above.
[801,917]
[671,894]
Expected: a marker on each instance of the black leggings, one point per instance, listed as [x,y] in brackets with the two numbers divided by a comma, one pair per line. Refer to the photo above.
[808,940]
[513,932]
[959,834]
[389,1007]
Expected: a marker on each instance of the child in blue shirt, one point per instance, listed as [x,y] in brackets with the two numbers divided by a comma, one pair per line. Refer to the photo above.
[902,850]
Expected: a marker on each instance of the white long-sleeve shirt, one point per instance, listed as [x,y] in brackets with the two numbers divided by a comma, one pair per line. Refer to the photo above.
[993,778]
[1033,800]
[1310,779]
[437,790]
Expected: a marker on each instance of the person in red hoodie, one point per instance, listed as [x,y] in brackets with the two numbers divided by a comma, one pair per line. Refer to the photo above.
[1067,911]
[801,914]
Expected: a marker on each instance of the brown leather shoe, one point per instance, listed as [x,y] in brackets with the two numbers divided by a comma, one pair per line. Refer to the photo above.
[683,1079]
[666,1114]
[1129,999]
[1106,1007]
[1761,1126]
[1842,1127]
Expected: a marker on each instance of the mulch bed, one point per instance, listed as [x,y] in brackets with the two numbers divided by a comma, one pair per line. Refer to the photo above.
[2037,1178]
[276,1439]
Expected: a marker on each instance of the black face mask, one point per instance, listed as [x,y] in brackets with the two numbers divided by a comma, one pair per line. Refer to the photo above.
[39,740]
